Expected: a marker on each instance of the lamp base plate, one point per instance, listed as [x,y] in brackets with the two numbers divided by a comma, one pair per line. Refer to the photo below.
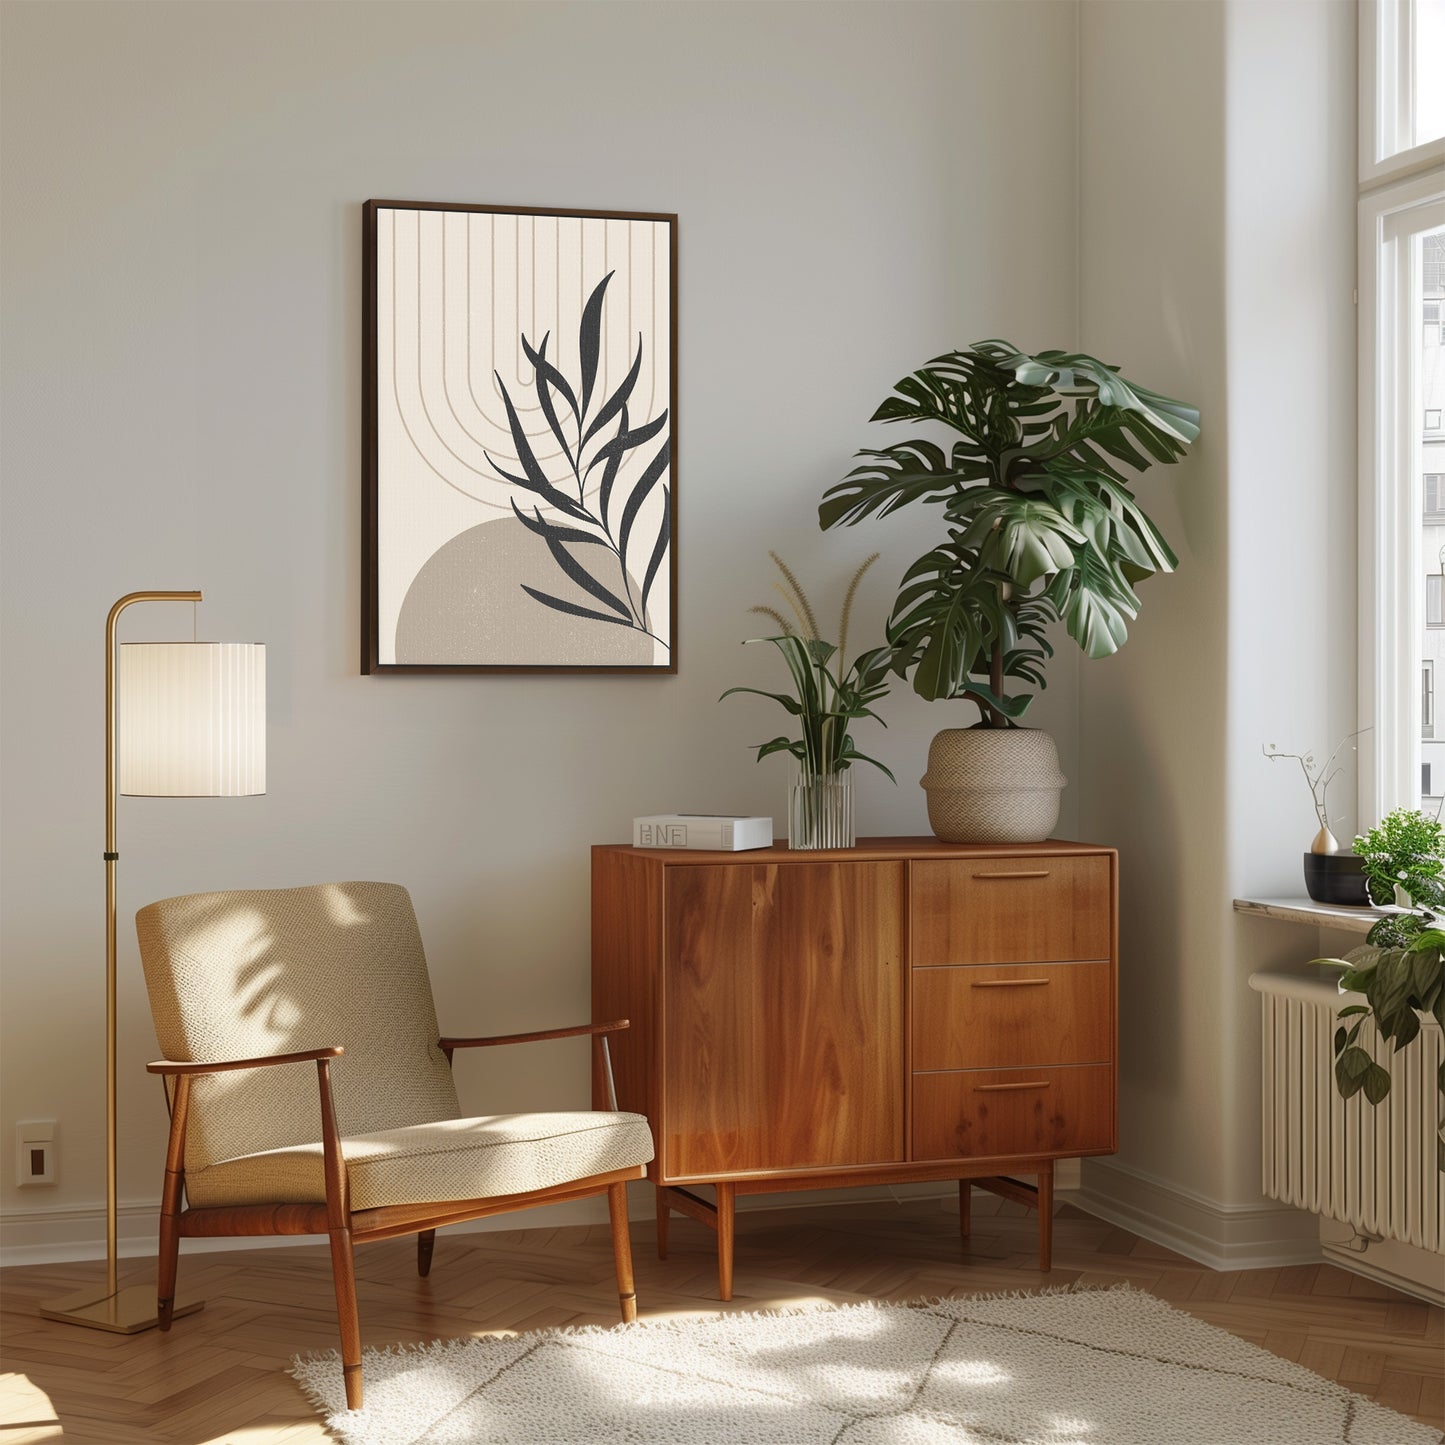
[126,1312]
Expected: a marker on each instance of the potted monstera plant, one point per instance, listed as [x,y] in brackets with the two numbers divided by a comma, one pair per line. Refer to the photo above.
[1039,525]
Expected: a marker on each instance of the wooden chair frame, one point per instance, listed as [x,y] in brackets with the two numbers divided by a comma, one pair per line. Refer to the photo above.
[346,1227]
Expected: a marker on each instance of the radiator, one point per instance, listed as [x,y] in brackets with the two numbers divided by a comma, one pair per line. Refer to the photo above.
[1371,1167]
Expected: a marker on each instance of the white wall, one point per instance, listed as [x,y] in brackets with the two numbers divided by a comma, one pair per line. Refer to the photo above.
[860,186]
[1217,240]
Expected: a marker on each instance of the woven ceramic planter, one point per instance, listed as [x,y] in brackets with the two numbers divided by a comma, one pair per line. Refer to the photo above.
[993,785]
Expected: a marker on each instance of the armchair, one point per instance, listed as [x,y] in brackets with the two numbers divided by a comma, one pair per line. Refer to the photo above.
[249,988]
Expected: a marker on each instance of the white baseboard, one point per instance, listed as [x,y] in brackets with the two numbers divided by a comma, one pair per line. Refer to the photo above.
[1222,1236]
[1413,1271]
[77,1232]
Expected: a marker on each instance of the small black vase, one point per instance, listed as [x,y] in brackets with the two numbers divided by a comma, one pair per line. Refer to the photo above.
[1336,878]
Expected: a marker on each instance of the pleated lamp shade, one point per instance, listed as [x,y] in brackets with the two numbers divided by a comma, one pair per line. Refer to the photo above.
[192,719]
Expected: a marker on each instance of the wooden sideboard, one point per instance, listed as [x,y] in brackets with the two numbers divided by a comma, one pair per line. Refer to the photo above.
[905,1010]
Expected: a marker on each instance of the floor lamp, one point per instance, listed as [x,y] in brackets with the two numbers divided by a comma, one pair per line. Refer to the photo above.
[187,720]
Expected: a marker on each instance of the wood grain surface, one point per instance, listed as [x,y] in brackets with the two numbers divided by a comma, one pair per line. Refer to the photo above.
[784,1017]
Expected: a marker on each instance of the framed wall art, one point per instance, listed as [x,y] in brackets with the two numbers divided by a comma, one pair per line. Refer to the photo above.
[520,414]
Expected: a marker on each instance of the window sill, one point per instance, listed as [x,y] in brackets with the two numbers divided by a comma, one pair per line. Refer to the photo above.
[1306,910]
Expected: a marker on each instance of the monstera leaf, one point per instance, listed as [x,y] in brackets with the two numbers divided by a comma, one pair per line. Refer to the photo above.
[1041,522]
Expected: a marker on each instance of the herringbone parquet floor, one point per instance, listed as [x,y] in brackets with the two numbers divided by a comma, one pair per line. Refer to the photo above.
[217,1378]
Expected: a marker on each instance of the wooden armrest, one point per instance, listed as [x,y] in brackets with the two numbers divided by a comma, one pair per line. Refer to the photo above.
[170,1066]
[581,1030]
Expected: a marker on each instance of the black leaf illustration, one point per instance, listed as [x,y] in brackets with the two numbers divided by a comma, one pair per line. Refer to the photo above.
[561,605]
[549,377]
[613,453]
[536,479]
[584,579]
[606,440]
[616,451]
[664,536]
[618,397]
[645,482]
[589,339]
[543,528]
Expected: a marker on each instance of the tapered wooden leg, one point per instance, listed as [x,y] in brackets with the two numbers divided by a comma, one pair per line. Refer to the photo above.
[425,1243]
[725,1241]
[664,1213]
[622,1250]
[343,1272]
[170,1248]
[965,1207]
[1046,1217]
[172,1190]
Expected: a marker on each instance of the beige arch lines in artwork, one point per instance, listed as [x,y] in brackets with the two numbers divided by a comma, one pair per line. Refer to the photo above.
[431,420]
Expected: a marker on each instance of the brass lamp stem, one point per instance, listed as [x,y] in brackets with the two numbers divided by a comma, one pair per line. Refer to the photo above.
[110,961]
[112,1311]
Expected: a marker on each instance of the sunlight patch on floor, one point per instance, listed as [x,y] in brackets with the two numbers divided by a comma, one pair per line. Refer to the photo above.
[26,1415]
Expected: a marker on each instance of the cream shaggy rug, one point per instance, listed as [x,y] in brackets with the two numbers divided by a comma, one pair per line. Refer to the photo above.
[1094,1367]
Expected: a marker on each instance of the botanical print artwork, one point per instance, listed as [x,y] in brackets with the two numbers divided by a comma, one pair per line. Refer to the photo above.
[520,416]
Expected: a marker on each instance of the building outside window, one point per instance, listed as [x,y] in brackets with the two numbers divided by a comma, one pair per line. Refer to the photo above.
[1401,296]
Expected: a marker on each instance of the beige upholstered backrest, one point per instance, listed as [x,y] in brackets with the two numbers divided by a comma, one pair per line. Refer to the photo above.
[239,975]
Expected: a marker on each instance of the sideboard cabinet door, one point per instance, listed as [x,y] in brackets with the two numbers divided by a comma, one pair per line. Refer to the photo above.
[783,1008]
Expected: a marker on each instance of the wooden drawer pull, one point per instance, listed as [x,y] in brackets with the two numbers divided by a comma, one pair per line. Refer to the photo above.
[1009,982]
[1044,874]
[999,1088]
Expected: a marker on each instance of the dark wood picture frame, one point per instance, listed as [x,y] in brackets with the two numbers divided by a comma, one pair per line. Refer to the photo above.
[594,522]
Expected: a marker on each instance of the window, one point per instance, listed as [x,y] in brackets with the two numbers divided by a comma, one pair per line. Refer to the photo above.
[1402,100]
[1435,497]
[1402,396]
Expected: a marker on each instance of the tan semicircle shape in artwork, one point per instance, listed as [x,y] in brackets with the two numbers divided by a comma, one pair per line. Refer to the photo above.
[466,607]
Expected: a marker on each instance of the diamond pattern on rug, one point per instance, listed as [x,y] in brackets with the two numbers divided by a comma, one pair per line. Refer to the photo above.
[1090,1367]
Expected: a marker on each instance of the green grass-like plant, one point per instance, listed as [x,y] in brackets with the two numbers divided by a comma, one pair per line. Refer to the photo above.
[825,701]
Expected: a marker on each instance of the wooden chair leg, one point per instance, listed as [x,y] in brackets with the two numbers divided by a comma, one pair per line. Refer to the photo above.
[622,1250]
[1046,1216]
[425,1243]
[965,1207]
[172,1192]
[343,1271]
[170,1249]
[725,1215]
[664,1214]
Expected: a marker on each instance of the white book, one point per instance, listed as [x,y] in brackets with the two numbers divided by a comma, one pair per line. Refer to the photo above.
[716,832]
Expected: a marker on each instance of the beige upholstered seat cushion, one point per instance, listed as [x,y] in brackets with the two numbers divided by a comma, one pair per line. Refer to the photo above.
[432,1163]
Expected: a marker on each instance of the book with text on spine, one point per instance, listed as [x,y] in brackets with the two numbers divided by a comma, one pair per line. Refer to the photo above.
[716,832]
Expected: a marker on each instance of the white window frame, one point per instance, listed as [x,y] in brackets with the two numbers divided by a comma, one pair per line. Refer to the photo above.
[1401,193]
[1391,566]
[1387,95]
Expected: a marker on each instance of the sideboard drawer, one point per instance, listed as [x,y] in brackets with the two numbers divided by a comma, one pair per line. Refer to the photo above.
[991,1016]
[980,1113]
[1011,910]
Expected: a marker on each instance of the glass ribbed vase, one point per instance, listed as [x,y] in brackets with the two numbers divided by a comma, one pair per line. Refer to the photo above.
[820,810]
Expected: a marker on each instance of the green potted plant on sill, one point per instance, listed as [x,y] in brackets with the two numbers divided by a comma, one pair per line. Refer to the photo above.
[1400,970]
[829,696]
[1040,525]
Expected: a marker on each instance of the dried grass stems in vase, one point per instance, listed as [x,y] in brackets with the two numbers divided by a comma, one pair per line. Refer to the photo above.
[827,699]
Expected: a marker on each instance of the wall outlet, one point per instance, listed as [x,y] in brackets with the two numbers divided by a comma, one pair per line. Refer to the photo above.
[35,1151]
